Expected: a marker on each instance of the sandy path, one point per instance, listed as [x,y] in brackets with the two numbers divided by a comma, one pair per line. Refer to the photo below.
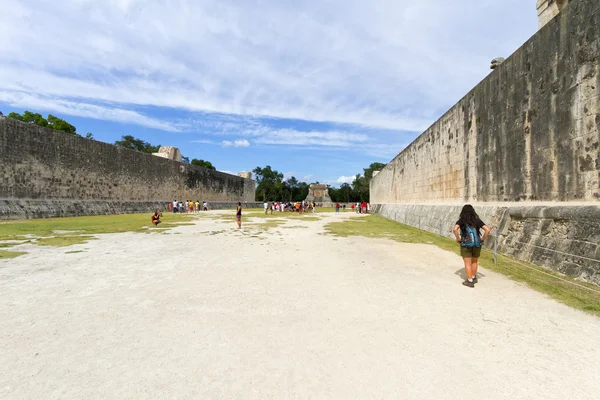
[293,315]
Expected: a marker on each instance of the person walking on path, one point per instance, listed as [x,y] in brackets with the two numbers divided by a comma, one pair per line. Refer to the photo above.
[238,215]
[470,240]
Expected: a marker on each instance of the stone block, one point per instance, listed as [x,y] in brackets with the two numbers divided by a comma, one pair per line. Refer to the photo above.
[169,152]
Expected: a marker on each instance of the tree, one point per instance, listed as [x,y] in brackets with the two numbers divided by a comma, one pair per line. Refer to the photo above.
[345,193]
[129,142]
[30,118]
[303,189]
[360,187]
[60,125]
[89,135]
[203,164]
[368,172]
[52,122]
[185,160]
[268,181]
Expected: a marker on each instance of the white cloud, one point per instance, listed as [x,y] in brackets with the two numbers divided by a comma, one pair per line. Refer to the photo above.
[203,141]
[345,179]
[392,65]
[40,103]
[236,143]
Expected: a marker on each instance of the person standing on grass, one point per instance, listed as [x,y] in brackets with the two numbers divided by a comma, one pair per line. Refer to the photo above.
[238,215]
[470,240]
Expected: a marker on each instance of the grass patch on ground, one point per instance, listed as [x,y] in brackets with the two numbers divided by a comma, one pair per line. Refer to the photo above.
[557,286]
[5,254]
[84,226]
[270,223]
[63,241]
[6,245]
[74,251]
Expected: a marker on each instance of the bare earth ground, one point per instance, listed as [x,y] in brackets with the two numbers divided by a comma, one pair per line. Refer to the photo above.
[290,314]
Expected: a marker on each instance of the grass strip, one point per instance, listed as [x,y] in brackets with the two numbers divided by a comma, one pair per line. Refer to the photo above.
[84,226]
[5,254]
[557,286]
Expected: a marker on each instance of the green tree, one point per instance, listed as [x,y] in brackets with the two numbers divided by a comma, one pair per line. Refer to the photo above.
[268,183]
[203,164]
[368,172]
[345,193]
[89,135]
[292,189]
[129,142]
[303,189]
[30,118]
[360,187]
[52,122]
[59,124]
[185,160]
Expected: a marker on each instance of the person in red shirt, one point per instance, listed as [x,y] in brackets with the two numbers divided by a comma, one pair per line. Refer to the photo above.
[156,218]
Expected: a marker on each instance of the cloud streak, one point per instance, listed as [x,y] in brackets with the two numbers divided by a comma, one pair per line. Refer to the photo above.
[392,65]
[236,143]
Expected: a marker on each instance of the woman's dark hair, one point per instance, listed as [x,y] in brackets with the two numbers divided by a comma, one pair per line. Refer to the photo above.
[239,203]
[468,216]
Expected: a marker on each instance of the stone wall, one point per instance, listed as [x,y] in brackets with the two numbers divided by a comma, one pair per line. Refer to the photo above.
[42,168]
[529,131]
[548,9]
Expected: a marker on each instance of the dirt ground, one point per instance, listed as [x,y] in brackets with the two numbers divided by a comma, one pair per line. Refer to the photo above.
[211,312]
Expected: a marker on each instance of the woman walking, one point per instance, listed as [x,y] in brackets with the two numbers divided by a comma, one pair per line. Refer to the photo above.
[238,215]
[470,240]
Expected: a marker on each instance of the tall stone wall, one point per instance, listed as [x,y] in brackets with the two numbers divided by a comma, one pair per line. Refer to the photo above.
[528,133]
[46,171]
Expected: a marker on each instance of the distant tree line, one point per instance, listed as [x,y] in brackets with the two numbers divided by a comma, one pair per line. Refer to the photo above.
[272,187]
[127,141]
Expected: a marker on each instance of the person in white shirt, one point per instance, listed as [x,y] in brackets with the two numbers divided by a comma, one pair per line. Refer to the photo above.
[266,205]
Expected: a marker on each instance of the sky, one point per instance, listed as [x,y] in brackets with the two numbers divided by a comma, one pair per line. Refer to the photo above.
[317,89]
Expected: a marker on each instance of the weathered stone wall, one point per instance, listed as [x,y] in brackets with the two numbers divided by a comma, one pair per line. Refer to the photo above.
[529,131]
[29,209]
[39,164]
[548,9]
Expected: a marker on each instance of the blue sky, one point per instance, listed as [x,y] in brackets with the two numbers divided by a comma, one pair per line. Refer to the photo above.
[317,89]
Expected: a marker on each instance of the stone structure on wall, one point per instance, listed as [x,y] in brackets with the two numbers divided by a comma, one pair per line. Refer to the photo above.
[548,9]
[169,152]
[528,133]
[245,175]
[48,173]
[318,193]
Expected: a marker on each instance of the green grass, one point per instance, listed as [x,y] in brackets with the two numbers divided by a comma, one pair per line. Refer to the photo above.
[63,240]
[80,228]
[555,285]
[7,245]
[5,254]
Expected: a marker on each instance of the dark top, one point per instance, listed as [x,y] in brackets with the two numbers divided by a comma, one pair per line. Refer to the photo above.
[239,211]
[463,226]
